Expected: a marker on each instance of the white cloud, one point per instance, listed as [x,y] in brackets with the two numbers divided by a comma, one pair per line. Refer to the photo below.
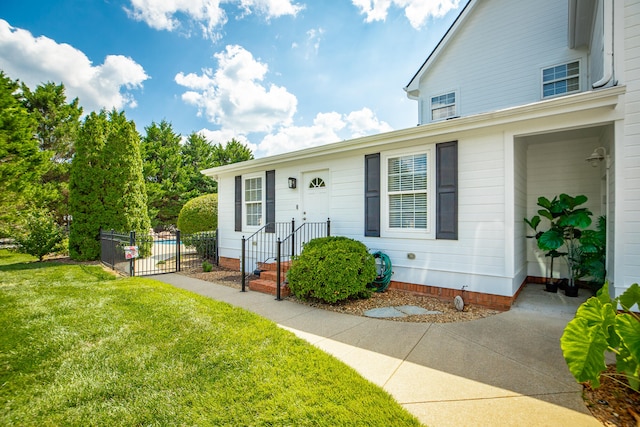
[416,11]
[208,15]
[323,131]
[271,8]
[223,136]
[37,60]
[161,15]
[234,97]
[326,128]
[364,122]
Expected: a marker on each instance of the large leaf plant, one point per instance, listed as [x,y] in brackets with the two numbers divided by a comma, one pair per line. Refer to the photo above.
[599,327]
[567,220]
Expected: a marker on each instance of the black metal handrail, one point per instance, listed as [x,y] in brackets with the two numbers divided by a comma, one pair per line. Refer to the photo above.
[260,246]
[265,244]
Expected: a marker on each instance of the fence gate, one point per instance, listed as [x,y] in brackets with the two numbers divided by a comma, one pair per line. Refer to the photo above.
[147,254]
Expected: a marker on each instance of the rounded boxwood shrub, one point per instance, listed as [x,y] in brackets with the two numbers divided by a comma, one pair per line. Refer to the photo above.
[332,269]
[199,214]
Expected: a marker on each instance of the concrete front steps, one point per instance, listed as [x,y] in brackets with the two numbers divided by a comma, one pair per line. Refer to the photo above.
[267,281]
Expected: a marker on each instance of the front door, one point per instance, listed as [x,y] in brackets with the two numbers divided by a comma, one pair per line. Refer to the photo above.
[315,196]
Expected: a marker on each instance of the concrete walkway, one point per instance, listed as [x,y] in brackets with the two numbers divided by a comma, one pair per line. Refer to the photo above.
[505,370]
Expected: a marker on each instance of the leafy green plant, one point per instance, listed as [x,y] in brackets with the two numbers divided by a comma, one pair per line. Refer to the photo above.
[598,328]
[199,214]
[566,224]
[204,243]
[591,255]
[42,235]
[332,269]
[207,266]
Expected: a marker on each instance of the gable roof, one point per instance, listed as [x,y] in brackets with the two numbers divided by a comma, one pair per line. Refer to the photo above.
[412,87]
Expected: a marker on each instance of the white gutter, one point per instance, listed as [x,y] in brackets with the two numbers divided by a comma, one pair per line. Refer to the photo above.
[607,39]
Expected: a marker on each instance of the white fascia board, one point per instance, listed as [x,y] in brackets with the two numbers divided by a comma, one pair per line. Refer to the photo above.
[551,107]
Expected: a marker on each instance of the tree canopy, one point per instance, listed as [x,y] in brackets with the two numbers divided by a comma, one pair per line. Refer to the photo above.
[21,162]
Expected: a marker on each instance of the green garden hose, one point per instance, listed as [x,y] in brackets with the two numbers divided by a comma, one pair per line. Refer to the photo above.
[381,283]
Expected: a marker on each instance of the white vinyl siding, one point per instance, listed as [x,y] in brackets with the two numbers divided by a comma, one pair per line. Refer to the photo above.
[496,58]
[407,191]
[443,106]
[561,79]
[253,201]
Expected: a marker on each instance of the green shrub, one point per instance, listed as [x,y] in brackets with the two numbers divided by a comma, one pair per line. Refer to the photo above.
[207,266]
[199,214]
[204,243]
[42,235]
[332,269]
[600,327]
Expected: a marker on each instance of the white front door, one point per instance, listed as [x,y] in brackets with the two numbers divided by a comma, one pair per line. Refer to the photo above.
[315,196]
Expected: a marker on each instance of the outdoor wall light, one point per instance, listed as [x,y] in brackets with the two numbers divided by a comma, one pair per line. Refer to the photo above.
[598,155]
[292,182]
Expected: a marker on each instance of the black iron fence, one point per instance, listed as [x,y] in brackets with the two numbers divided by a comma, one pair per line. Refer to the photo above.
[276,243]
[145,254]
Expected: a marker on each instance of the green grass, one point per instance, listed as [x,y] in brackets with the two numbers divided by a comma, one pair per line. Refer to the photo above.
[79,347]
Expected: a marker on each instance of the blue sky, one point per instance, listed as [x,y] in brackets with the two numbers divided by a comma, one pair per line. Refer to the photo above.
[277,75]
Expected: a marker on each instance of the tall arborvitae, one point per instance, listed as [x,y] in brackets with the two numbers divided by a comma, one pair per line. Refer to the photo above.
[86,188]
[125,200]
[106,188]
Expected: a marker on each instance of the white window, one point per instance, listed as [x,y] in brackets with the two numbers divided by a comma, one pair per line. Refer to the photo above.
[407,192]
[443,106]
[253,201]
[561,79]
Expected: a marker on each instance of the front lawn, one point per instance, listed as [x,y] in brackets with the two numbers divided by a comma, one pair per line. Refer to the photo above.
[79,347]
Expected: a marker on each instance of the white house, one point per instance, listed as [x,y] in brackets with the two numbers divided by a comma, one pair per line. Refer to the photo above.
[511,102]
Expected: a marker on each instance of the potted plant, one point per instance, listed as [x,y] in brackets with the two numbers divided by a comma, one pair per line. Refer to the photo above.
[566,224]
[591,255]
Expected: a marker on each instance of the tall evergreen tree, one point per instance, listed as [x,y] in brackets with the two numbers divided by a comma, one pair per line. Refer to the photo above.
[21,162]
[197,154]
[106,186]
[86,186]
[57,128]
[233,152]
[164,176]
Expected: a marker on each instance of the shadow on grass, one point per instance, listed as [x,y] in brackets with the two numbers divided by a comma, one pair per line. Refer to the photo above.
[31,265]
[95,271]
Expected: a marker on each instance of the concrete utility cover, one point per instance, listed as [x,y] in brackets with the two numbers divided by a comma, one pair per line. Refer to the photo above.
[401,311]
[384,312]
[412,310]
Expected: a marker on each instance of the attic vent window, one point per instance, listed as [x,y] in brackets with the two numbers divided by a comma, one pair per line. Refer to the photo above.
[443,106]
[317,183]
[561,79]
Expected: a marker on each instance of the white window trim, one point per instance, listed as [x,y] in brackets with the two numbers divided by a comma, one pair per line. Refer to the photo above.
[245,178]
[456,105]
[580,78]
[408,233]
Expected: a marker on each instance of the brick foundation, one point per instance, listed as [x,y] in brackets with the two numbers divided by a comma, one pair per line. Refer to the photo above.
[230,263]
[491,301]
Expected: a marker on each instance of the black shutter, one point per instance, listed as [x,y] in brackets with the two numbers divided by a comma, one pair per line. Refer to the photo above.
[238,203]
[372,195]
[447,190]
[271,202]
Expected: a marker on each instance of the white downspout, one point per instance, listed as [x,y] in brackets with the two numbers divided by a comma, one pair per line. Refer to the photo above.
[607,41]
